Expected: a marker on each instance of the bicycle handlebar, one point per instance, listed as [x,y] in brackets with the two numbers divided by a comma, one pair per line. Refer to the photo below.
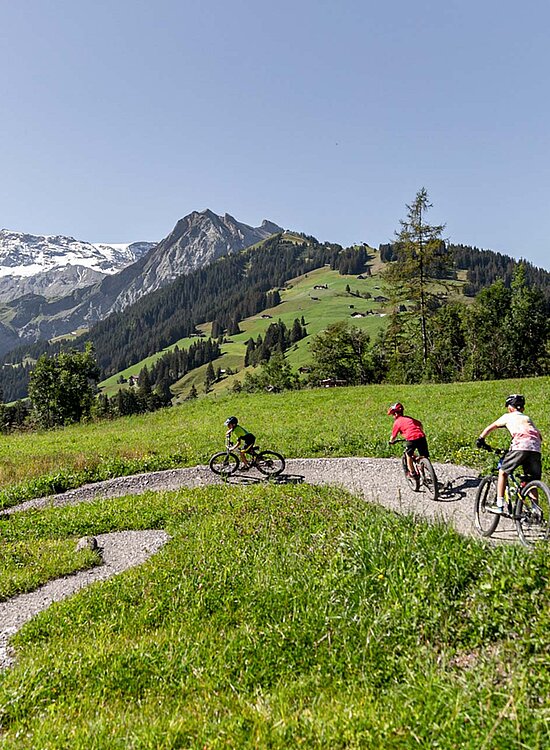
[490,449]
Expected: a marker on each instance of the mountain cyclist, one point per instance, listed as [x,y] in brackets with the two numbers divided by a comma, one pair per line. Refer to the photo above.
[525,448]
[238,434]
[412,431]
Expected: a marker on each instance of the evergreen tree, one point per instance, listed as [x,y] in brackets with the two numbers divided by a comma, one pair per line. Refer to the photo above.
[192,393]
[420,252]
[233,328]
[163,392]
[297,332]
[127,402]
[486,342]
[144,385]
[209,378]
[217,329]
[526,328]
[250,348]
[448,337]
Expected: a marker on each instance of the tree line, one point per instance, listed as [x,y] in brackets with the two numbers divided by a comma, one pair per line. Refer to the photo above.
[277,339]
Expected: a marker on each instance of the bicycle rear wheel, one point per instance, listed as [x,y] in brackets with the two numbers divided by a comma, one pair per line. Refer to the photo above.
[429,479]
[532,513]
[486,496]
[270,463]
[413,480]
[224,463]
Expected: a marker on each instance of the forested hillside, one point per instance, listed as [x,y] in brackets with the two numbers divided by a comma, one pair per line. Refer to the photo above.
[228,290]
[242,285]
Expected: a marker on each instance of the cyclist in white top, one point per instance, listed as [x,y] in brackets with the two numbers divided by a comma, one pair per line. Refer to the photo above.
[525,448]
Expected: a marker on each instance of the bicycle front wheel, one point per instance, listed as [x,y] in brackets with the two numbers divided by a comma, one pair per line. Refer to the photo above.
[532,513]
[486,497]
[413,480]
[429,479]
[270,463]
[224,464]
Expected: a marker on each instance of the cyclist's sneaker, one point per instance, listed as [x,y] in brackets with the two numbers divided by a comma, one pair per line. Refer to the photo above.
[495,508]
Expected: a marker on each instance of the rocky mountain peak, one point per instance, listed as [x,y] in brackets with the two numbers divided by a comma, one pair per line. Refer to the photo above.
[79,275]
[199,238]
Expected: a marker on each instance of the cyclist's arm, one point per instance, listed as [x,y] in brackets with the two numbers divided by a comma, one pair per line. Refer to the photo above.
[495,426]
[228,442]
[394,433]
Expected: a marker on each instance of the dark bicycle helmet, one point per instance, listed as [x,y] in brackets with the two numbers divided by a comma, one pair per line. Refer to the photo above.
[516,400]
[396,408]
[231,421]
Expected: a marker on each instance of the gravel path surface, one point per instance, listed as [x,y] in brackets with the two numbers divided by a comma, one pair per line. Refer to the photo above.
[120,551]
[378,480]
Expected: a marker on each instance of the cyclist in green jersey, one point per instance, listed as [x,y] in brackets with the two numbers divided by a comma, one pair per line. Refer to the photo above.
[237,434]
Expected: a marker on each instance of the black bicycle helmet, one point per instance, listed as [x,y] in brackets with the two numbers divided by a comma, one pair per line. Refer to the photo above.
[231,421]
[516,400]
[396,408]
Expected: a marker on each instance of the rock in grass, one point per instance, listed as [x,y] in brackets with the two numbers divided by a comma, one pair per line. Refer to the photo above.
[87,542]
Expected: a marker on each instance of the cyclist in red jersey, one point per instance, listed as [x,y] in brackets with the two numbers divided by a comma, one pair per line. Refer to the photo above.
[412,431]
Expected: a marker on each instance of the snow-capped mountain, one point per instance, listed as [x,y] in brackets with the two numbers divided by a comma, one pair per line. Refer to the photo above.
[69,303]
[55,265]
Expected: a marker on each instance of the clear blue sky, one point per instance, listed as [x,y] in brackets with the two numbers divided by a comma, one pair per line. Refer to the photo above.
[118,117]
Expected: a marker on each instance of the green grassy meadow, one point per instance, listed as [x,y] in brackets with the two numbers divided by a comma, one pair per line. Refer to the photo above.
[318,422]
[277,616]
[284,616]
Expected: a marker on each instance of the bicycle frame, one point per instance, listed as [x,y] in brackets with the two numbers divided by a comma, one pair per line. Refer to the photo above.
[514,484]
[228,461]
[527,503]
[424,474]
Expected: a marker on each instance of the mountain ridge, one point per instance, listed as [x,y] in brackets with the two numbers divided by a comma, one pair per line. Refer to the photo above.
[196,240]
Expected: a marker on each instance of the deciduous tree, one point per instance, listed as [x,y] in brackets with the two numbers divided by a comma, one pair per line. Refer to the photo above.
[342,352]
[62,388]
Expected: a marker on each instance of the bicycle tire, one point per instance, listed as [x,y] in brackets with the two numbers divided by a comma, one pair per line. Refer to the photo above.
[429,478]
[532,513]
[224,464]
[413,480]
[270,463]
[485,521]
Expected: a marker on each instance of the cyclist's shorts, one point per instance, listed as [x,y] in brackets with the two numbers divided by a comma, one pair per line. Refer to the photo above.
[420,445]
[248,441]
[529,460]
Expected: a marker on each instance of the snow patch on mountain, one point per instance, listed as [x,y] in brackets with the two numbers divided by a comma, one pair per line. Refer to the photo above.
[47,264]
[27,254]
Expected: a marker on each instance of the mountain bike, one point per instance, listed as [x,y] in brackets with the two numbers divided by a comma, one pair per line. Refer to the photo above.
[526,503]
[423,474]
[227,462]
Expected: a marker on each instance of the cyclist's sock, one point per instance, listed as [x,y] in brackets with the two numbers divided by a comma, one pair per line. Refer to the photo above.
[500,502]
